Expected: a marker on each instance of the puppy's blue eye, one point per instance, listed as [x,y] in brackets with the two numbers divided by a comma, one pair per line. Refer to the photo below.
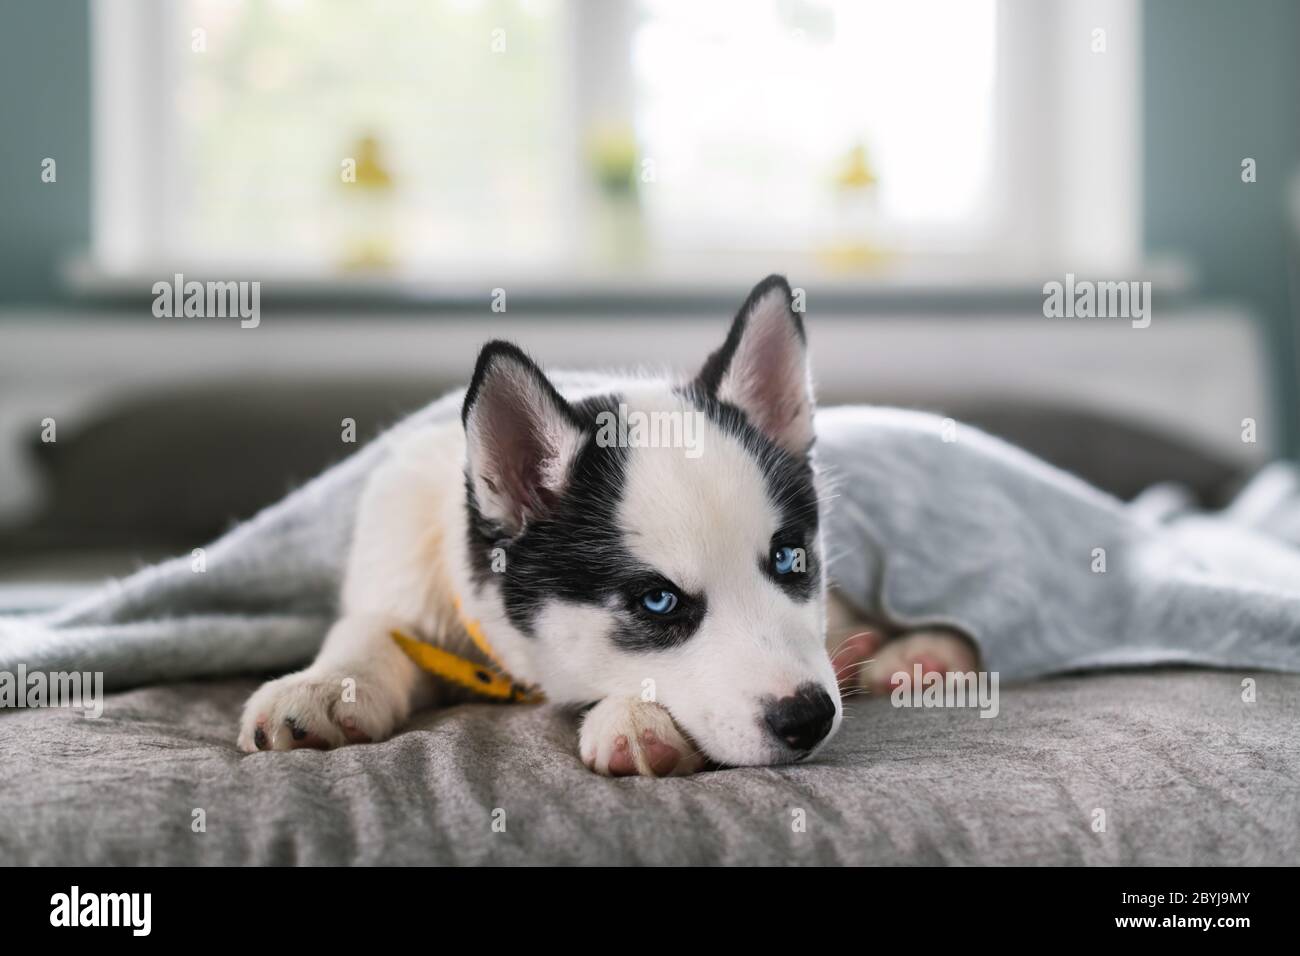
[659,602]
[783,560]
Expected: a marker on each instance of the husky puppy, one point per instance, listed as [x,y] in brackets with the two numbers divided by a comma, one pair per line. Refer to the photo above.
[679,592]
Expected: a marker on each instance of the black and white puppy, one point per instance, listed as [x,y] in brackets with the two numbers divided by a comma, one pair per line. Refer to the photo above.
[679,590]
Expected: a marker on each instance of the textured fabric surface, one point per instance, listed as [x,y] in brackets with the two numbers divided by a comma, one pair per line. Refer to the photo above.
[1186,772]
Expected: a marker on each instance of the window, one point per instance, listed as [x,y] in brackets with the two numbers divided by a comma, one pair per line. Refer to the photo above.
[447,107]
[449,139]
[751,112]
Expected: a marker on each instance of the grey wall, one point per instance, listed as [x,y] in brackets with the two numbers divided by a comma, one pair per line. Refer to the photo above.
[1222,82]
[44,111]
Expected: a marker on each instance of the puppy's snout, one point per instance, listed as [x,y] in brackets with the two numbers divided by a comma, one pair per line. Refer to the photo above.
[802,721]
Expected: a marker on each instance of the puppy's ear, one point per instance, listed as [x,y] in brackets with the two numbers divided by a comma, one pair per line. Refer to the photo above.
[521,437]
[762,368]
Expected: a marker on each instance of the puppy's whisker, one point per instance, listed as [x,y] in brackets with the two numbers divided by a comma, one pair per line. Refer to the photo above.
[849,674]
[840,646]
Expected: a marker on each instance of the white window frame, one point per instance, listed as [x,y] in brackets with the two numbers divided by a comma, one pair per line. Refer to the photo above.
[132,76]
[1086,117]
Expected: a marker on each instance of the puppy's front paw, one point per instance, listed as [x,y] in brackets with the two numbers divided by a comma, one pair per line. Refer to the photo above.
[623,736]
[321,710]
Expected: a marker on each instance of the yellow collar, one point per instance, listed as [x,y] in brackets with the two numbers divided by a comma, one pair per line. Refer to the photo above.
[490,681]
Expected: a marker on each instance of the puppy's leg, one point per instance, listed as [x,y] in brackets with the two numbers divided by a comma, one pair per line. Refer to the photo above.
[362,685]
[624,736]
[360,688]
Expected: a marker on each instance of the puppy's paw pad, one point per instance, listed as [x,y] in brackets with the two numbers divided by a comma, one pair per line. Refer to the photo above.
[623,738]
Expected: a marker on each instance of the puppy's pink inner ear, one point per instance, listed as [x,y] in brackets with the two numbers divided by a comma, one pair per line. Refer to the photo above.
[515,455]
[521,445]
[768,376]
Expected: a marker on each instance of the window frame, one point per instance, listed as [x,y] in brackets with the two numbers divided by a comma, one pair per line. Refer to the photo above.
[1082,117]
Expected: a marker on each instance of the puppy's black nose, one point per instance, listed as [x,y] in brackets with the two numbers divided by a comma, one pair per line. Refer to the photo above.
[802,721]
